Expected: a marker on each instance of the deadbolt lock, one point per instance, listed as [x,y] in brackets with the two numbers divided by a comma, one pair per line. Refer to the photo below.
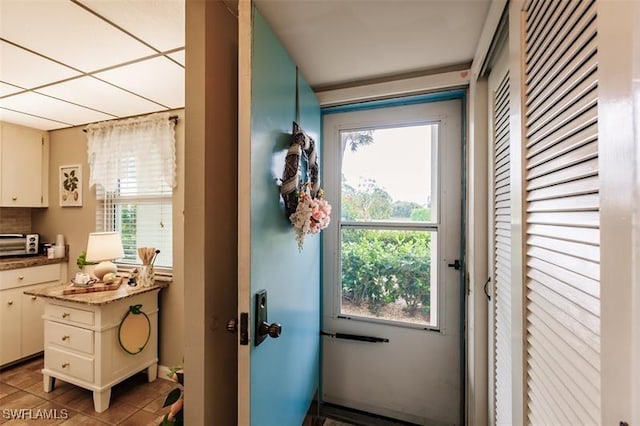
[243,326]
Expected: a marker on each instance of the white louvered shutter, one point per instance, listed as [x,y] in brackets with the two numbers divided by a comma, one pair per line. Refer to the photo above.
[562,213]
[502,253]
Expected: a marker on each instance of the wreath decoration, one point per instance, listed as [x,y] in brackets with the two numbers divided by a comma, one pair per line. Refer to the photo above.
[304,202]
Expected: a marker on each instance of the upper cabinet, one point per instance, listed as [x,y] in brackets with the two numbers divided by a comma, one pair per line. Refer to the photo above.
[24,171]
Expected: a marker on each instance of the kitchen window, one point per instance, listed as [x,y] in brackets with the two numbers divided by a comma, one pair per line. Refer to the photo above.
[132,165]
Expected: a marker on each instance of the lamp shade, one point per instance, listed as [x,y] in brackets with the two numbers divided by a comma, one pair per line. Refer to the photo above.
[104,246]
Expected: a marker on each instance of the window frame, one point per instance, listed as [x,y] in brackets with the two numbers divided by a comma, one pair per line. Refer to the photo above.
[139,150]
[332,270]
[107,206]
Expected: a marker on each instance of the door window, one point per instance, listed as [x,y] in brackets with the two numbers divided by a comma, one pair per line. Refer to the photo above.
[389,224]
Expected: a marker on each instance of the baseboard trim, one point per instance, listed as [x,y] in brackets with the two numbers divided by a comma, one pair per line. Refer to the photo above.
[163,372]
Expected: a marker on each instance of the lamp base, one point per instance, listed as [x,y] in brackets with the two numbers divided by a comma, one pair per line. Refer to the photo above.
[104,268]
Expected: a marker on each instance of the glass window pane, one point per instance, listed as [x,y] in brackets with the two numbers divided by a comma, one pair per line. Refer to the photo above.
[145,225]
[388,174]
[389,275]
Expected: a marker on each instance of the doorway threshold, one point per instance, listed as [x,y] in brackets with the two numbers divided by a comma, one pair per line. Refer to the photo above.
[337,415]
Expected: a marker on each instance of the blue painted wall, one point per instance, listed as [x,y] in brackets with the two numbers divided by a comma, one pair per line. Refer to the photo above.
[284,371]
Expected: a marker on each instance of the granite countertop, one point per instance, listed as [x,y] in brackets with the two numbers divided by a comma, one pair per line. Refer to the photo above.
[96,298]
[16,262]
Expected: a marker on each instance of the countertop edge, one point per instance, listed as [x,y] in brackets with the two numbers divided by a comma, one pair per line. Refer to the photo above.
[54,292]
[9,263]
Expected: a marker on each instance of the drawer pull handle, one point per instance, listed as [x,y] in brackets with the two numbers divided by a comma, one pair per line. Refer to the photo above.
[65,315]
[10,302]
[65,365]
[33,297]
[14,198]
[21,278]
[65,338]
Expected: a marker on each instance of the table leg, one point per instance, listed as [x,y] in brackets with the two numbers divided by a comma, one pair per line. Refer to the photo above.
[101,400]
[48,382]
[152,372]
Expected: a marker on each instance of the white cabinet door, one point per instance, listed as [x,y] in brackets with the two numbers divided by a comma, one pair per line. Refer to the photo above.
[32,324]
[21,323]
[23,161]
[10,325]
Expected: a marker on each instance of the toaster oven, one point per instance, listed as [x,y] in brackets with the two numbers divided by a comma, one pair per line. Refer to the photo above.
[19,244]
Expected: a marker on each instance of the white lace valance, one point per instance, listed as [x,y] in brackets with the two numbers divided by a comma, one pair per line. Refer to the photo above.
[147,141]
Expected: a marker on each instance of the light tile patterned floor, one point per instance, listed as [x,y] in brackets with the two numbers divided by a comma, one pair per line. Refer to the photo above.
[134,402]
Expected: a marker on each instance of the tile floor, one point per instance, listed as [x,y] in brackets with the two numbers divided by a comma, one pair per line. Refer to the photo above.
[134,402]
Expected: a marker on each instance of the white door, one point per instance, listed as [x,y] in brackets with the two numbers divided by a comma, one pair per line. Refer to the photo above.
[391,300]
[500,380]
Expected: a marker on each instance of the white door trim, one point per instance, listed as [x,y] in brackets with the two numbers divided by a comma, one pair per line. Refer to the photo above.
[245,37]
[394,89]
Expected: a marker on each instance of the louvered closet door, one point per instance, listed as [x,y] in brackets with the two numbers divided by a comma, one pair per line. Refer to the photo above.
[562,213]
[502,253]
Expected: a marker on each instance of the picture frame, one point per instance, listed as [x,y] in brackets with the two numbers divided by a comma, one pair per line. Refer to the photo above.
[70,185]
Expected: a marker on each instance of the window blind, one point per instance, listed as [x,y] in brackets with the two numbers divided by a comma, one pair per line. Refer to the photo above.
[134,165]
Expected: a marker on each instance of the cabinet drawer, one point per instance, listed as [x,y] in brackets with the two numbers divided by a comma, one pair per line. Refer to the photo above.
[68,315]
[67,336]
[27,276]
[68,363]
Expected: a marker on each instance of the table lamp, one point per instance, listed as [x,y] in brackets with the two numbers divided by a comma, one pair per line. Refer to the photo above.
[104,247]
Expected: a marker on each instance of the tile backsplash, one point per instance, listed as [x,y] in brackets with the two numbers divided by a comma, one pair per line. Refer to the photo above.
[15,220]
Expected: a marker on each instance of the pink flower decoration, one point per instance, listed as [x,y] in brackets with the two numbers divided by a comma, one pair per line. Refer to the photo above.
[311,216]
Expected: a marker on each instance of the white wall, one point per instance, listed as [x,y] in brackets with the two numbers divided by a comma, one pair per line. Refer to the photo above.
[210,213]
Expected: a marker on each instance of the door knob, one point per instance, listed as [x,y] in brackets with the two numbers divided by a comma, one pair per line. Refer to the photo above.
[272,330]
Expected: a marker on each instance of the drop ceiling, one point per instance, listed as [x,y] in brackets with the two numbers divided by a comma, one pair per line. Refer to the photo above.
[71,62]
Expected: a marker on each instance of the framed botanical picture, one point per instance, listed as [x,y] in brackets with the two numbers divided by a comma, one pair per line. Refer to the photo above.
[70,185]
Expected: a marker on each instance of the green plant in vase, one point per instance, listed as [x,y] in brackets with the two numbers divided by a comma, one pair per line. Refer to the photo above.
[83,264]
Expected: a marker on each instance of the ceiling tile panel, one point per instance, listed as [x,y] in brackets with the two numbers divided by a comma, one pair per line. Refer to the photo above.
[157,79]
[8,89]
[44,106]
[25,69]
[67,33]
[178,56]
[93,93]
[159,23]
[29,120]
